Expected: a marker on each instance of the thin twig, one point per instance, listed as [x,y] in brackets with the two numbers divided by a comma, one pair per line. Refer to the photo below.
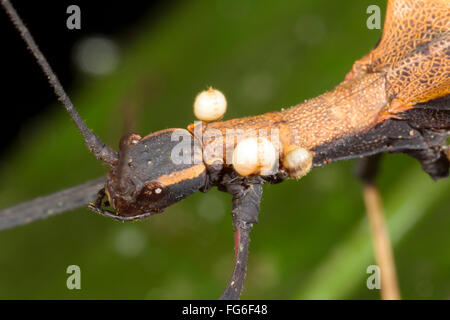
[93,142]
[381,243]
[44,207]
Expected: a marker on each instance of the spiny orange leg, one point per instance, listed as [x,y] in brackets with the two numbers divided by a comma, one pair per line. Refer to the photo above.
[246,200]
[380,236]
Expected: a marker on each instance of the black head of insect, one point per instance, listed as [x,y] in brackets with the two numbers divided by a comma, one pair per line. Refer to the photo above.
[151,174]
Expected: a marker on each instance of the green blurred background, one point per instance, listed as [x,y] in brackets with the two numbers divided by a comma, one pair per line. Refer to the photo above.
[312,240]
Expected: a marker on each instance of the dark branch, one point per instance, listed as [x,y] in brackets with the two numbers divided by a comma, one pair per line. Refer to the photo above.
[93,142]
[246,202]
[44,207]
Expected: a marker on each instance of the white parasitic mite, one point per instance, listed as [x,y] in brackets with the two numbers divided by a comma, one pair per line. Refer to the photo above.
[254,156]
[210,105]
[298,162]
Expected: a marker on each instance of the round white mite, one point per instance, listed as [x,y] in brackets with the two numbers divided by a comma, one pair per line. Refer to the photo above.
[298,162]
[210,105]
[254,156]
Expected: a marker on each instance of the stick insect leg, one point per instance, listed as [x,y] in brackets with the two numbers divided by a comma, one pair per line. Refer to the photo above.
[367,170]
[246,201]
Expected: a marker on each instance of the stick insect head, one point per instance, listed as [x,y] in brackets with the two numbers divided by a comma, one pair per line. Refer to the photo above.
[152,173]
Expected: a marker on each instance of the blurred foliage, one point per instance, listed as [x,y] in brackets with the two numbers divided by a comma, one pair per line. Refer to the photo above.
[312,240]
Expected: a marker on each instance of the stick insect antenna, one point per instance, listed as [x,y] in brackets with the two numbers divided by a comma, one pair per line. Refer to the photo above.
[48,206]
[95,145]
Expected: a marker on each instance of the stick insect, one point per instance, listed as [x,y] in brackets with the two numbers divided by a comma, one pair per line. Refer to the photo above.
[395,99]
